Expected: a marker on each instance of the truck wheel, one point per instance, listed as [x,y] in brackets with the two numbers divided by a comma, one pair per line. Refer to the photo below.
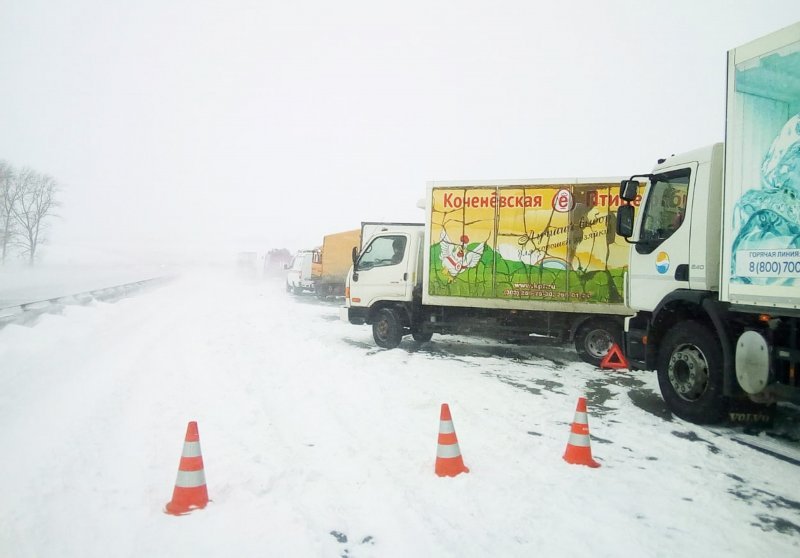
[422,336]
[323,291]
[594,339]
[690,373]
[386,329]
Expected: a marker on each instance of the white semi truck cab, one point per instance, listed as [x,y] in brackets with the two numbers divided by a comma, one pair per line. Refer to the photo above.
[714,272]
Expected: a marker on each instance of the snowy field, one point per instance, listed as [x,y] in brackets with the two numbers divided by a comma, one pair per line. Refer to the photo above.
[316,443]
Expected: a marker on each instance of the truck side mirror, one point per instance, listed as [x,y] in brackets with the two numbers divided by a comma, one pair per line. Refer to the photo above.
[628,190]
[354,255]
[625,221]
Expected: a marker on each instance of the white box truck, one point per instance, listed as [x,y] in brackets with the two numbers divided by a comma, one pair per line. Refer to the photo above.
[715,250]
[502,259]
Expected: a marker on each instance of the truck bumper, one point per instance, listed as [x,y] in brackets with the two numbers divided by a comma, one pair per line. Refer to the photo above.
[635,346]
[354,315]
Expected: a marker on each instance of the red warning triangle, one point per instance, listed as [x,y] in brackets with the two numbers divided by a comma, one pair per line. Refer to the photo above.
[614,359]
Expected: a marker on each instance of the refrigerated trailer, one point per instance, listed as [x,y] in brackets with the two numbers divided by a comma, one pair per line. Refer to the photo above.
[714,274]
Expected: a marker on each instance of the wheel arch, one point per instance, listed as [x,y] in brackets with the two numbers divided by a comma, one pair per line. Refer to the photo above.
[402,310]
[699,306]
[690,373]
[584,319]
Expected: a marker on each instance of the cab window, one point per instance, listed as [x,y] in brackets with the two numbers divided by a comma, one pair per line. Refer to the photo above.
[665,210]
[383,251]
[297,262]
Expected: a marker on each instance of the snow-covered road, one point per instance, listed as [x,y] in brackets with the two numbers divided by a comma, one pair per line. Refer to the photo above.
[316,443]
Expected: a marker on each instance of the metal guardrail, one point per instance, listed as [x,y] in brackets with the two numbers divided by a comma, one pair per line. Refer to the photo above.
[25,312]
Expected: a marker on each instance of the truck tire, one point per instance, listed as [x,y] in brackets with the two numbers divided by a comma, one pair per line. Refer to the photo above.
[422,336]
[690,373]
[594,339]
[386,329]
[324,290]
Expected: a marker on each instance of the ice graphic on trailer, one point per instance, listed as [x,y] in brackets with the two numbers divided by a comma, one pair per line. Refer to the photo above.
[765,248]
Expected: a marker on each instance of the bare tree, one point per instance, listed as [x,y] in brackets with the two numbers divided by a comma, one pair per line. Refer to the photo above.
[9,196]
[36,202]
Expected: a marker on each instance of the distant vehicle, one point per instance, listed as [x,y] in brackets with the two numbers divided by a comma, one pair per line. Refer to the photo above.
[276,262]
[503,259]
[715,250]
[299,278]
[329,271]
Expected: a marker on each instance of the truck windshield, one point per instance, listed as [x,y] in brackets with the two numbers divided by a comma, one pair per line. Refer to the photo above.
[382,251]
[297,262]
[665,208]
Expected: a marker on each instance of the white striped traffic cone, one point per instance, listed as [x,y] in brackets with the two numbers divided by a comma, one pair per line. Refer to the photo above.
[579,450]
[190,487]
[448,455]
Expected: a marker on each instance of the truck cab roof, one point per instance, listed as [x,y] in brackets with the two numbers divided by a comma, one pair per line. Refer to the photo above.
[700,155]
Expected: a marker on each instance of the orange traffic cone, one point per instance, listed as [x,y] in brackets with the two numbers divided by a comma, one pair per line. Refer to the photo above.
[190,487]
[448,456]
[614,358]
[579,452]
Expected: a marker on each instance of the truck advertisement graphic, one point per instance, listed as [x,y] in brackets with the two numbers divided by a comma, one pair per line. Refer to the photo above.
[538,242]
[763,169]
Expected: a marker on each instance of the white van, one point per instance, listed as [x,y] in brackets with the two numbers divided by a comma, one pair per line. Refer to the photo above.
[298,278]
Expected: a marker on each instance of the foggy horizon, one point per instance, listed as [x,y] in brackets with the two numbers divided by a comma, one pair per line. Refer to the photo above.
[202,128]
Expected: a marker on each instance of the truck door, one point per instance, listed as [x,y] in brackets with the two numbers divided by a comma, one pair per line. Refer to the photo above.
[295,272]
[660,261]
[308,265]
[382,271]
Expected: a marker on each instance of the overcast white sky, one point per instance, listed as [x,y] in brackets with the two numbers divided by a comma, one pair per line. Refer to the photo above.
[250,125]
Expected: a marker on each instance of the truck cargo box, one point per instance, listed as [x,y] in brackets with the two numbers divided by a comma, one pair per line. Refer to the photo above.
[335,258]
[527,245]
[761,232]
